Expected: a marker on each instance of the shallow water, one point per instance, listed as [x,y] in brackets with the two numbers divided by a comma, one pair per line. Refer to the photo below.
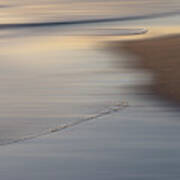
[56,75]
[51,81]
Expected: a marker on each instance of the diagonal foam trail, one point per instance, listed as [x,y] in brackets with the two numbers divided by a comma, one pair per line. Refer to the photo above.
[108,111]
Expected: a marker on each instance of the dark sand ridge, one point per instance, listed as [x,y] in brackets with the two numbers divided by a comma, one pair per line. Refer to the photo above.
[161,55]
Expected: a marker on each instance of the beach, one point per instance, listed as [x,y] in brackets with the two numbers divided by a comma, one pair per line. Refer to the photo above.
[136,137]
[56,72]
[88,90]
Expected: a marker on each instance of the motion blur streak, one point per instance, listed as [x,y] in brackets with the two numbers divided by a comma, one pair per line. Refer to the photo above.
[53,74]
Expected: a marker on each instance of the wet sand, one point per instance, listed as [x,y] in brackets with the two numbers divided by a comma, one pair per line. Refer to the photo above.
[159,55]
[162,57]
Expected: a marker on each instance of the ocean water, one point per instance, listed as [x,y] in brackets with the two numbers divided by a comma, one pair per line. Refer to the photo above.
[54,70]
[25,11]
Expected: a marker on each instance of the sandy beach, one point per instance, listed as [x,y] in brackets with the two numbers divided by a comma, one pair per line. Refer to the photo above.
[72,100]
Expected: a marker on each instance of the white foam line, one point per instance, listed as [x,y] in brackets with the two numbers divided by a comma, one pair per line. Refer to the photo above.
[111,109]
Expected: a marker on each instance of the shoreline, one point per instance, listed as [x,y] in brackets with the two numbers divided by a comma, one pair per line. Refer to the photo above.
[128,144]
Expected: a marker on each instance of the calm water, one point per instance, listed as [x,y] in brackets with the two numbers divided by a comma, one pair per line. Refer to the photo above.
[24,11]
[55,75]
